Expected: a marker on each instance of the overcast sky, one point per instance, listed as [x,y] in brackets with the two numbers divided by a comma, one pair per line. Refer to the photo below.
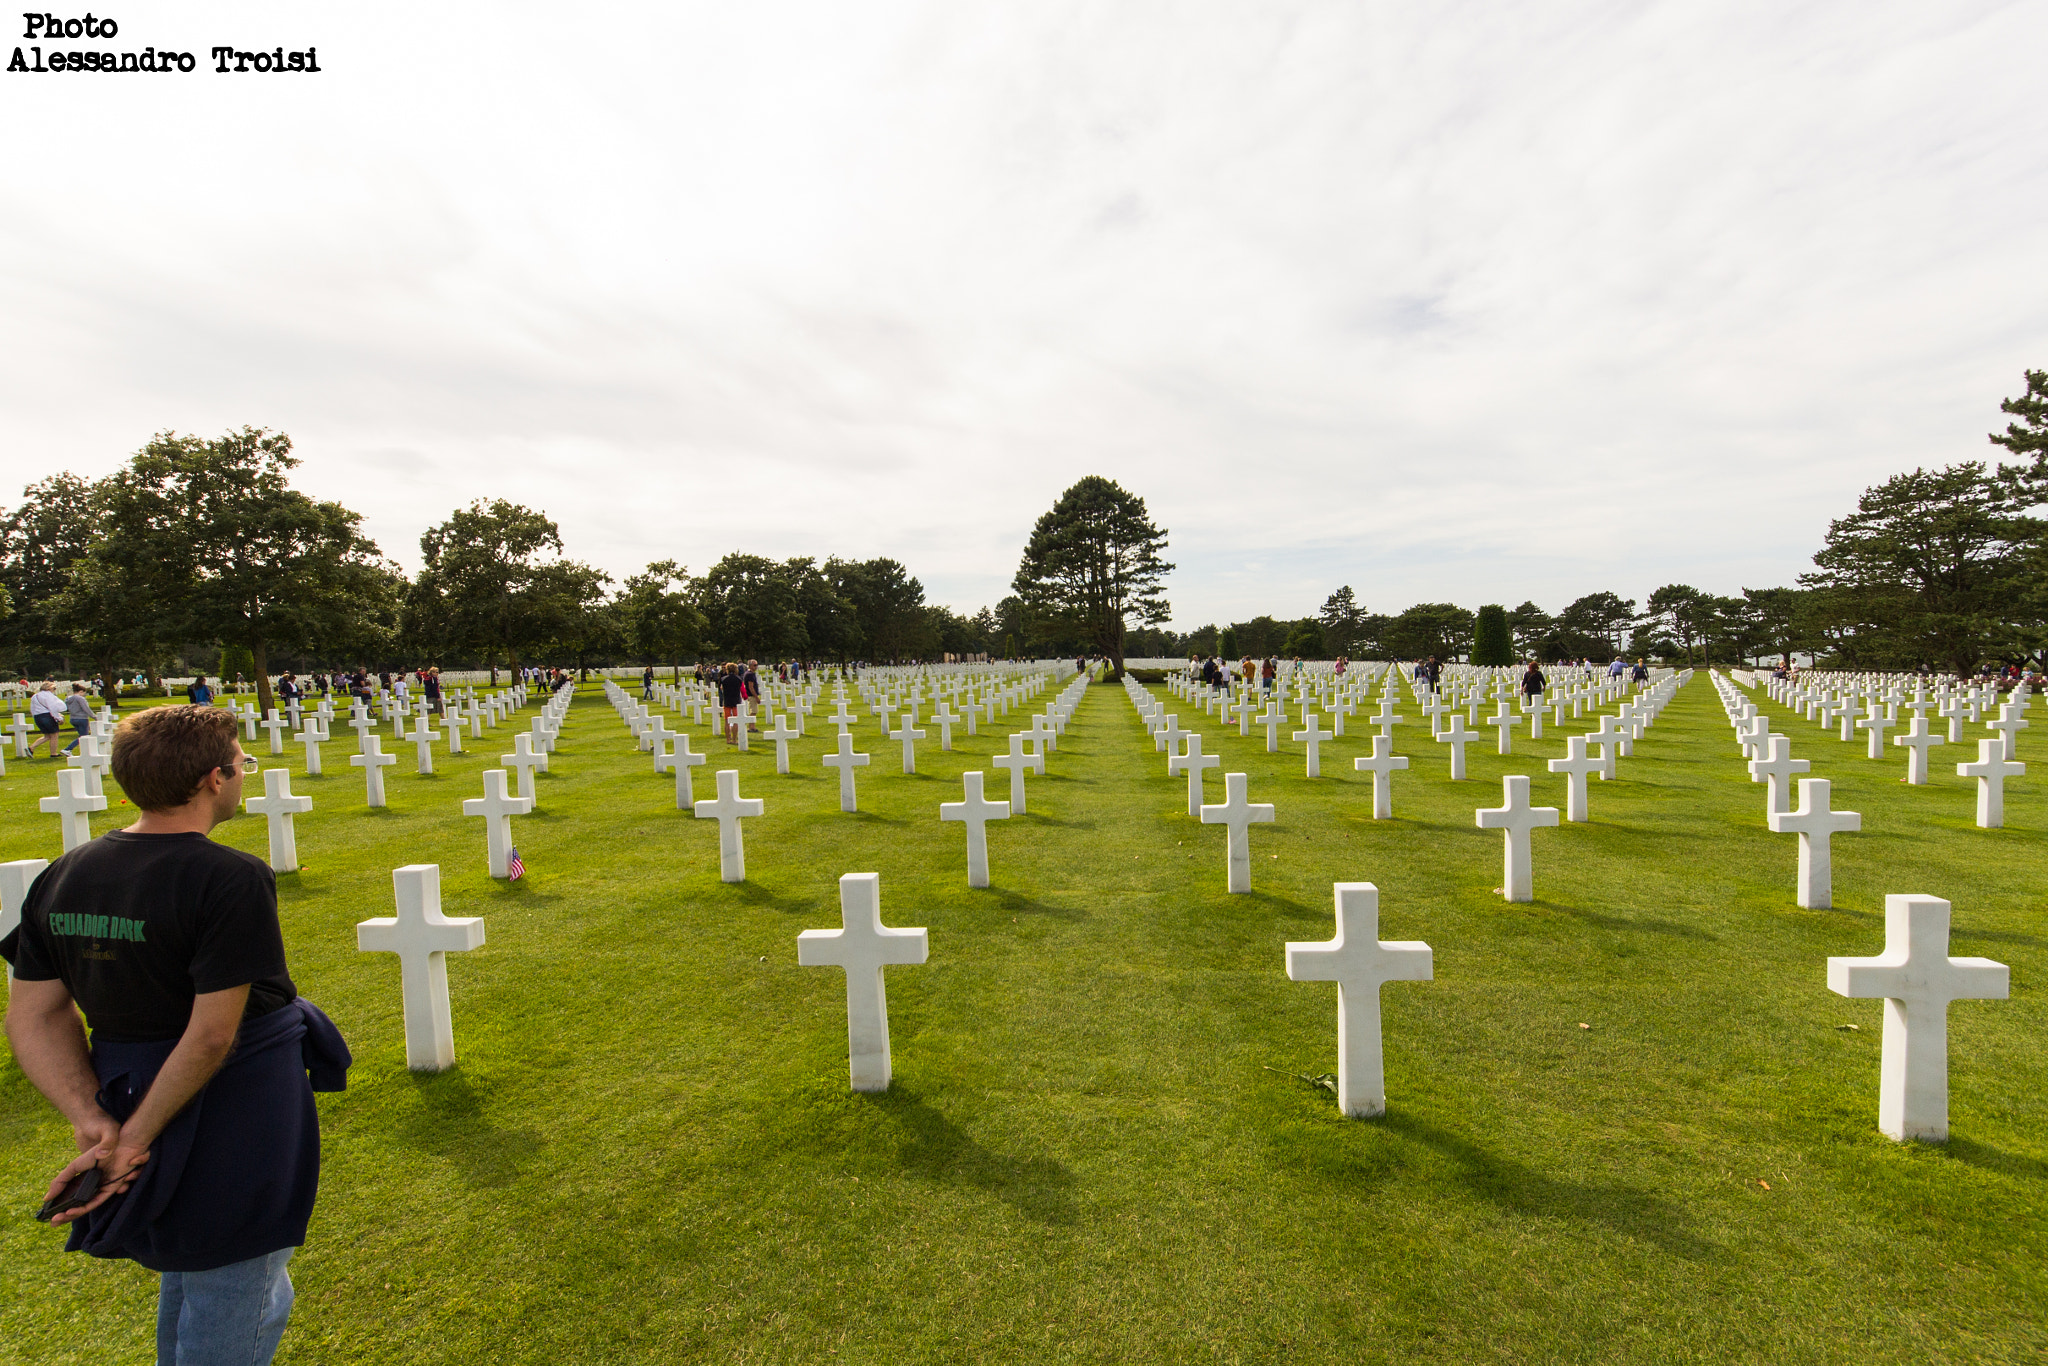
[1467,302]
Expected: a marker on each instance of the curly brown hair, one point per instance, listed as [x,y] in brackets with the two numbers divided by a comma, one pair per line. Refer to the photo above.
[163,754]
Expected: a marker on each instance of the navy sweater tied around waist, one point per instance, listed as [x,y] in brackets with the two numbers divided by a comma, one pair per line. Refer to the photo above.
[234,1175]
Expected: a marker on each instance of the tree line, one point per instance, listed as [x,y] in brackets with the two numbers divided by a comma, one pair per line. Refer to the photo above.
[1945,569]
[199,552]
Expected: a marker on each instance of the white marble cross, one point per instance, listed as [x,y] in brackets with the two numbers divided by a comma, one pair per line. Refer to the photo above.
[846,761]
[781,734]
[1506,720]
[275,724]
[1238,816]
[1193,762]
[1457,737]
[313,735]
[909,737]
[863,946]
[1017,761]
[945,718]
[1575,765]
[976,813]
[422,938]
[655,735]
[1515,818]
[1777,773]
[1877,724]
[1991,770]
[278,805]
[1358,961]
[423,738]
[1382,764]
[497,808]
[1814,823]
[88,760]
[15,879]
[372,761]
[364,724]
[524,760]
[72,806]
[1917,740]
[1274,717]
[19,728]
[842,718]
[729,808]
[1314,735]
[1167,737]
[682,760]
[2011,721]
[451,722]
[1917,979]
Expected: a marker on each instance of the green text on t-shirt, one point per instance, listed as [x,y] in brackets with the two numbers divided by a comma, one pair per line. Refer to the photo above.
[97,926]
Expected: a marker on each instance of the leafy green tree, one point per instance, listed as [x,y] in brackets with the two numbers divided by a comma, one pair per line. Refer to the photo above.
[1341,617]
[1775,614]
[1092,563]
[658,621]
[1262,635]
[1533,631]
[1226,644]
[40,538]
[1935,567]
[884,609]
[1492,644]
[1595,624]
[229,551]
[1683,611]
[494,583]
[2028,436]
[1442,629]
[753,608]
[1305,640]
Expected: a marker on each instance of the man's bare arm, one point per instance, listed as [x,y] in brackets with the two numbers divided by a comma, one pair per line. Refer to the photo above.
[48,1040]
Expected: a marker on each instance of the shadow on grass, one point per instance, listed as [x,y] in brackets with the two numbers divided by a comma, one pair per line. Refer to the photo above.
[933,1148]
[1624,923]
[1519,1188]
[754,894]
[870,818]
[1018,903]
[1996,1159]
[1040,818]
[451,1123]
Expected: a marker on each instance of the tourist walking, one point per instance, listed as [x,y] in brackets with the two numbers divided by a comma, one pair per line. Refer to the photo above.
[78,709]
[732,690]
[47,710]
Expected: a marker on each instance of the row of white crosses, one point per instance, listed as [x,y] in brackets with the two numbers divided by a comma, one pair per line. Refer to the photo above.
[1771,759]
[1915,976]
[1883,697]
[1515,817]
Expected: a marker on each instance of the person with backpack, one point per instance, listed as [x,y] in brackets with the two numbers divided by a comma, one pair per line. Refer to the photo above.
[197,693]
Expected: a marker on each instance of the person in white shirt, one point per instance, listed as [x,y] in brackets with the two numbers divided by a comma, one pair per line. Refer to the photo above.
[46,709]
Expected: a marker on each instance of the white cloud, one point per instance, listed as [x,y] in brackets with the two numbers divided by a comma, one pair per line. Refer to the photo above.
[1468,302]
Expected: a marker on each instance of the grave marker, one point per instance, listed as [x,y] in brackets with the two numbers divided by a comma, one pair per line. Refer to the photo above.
[1359,961]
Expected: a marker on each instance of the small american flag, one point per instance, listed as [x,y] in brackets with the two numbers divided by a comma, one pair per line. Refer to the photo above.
[515,866]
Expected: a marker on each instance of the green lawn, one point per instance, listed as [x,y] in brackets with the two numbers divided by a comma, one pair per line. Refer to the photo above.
[1095,1148]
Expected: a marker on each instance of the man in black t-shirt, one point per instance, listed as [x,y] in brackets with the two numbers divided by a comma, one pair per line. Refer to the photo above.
[170,946]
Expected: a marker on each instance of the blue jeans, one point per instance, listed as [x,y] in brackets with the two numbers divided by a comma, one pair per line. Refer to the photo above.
[230,1316]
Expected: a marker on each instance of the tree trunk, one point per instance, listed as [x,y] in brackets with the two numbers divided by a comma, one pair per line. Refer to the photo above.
[260,653]
[110,685]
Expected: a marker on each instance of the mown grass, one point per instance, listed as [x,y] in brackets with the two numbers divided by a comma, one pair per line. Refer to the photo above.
[1094,1149]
